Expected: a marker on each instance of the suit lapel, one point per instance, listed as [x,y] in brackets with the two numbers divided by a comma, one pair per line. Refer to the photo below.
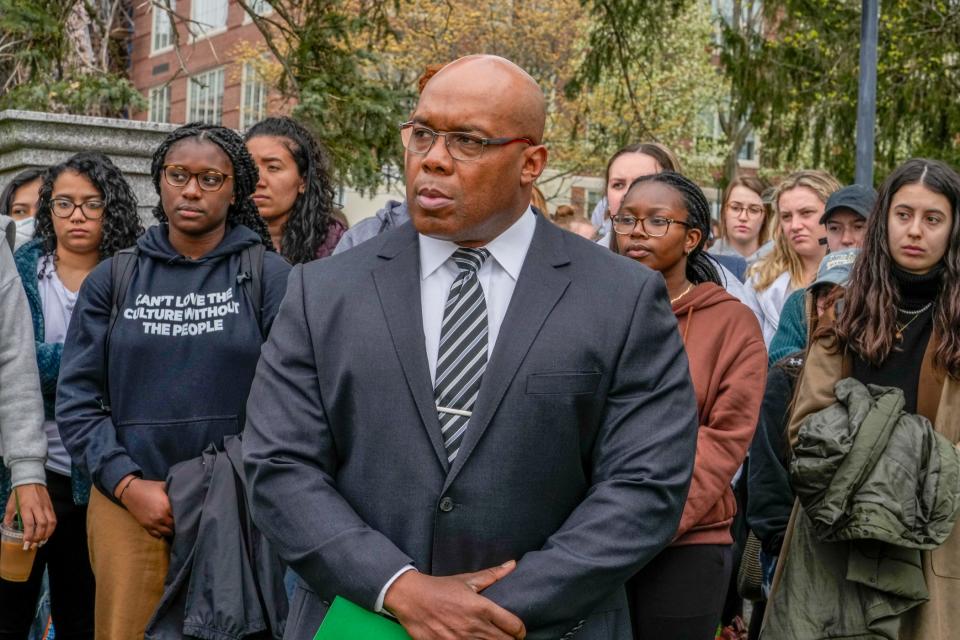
[398,286]
[538,289]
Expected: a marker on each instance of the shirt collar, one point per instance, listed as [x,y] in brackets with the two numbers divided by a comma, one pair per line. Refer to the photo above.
[509,249]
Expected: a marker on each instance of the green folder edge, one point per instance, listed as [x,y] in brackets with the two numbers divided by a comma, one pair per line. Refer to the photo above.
[347,621]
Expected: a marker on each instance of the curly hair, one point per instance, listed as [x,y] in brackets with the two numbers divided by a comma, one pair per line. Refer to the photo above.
[121,222]
[309,221]
[699,268]
[868,321]
[24,177]
[245,174]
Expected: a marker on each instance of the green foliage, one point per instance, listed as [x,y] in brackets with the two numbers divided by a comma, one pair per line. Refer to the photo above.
[646,74]
[801,81]
[104,95]
[46,66]
[328,51]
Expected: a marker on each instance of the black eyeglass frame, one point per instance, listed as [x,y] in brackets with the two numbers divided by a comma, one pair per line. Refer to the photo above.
[643,226]
[82,206]
[484,142]
[196,176]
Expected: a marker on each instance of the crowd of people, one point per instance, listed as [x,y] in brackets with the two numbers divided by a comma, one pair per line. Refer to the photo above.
[470,414]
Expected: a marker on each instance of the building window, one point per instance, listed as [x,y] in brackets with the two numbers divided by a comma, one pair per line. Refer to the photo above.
[208,16]
[162,27]
[159,98]
[259,7]
[253,105]
[205,97]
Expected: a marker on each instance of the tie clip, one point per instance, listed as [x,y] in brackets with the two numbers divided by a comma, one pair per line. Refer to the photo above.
[456,412]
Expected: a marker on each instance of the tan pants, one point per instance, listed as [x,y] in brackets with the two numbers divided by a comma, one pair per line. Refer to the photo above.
[130,566]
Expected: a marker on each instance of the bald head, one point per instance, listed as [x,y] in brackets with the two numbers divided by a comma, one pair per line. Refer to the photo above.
[500,85]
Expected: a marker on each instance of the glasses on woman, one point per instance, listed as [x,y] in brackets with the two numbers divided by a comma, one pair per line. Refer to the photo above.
[207,180]
[64,208]
[467,147]
[753,211]
[654,226]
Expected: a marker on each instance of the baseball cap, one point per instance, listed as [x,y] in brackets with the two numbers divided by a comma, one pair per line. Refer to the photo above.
[856,197]
[835,268]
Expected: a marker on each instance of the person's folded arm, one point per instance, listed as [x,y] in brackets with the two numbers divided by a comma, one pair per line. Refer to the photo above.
[87,430]
[290,462]
[641,465]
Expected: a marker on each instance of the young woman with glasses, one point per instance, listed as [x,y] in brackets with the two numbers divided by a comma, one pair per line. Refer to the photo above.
[86,213]
[799,244]
[744,223]
[165,373]
[663,222]
[897,326]
[295,193]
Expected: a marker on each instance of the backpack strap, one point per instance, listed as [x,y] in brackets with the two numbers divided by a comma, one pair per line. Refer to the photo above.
[121,272]
[251,277]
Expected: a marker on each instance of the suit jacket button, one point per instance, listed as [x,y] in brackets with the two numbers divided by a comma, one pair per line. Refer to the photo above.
[446,504]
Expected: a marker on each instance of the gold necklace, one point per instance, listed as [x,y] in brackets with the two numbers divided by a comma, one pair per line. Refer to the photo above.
[916,314]
[686,291]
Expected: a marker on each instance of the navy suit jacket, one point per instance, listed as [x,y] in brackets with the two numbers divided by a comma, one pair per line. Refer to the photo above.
[576,462]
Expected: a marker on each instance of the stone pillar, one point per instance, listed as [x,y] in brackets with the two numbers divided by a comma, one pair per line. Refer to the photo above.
[34,139]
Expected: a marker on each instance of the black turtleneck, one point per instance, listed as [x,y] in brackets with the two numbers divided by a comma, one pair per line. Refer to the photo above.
[902,367]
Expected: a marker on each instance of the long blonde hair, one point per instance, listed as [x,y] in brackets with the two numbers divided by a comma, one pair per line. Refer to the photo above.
[784,258]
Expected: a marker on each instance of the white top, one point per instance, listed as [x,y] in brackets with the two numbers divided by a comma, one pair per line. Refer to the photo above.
[498,278]
[58,303]
[769,303]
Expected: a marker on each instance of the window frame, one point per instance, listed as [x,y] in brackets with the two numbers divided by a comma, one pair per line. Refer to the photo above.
[197,32]
[193,86]
[168,100]
[245,82]
[156,12]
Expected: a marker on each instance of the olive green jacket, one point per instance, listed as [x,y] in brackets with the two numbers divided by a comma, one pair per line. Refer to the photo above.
[876,485]
[938,401]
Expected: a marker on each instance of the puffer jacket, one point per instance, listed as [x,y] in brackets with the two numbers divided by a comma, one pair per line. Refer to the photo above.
[876,486]
[865,470]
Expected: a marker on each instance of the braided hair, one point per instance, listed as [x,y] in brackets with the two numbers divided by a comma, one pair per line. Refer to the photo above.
[700,268]
[121,222]
[245,175]
[309,221]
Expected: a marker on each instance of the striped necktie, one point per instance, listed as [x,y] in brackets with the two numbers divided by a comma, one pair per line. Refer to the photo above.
[462,358]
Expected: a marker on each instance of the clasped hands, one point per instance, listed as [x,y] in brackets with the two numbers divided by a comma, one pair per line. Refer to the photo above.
[451,607]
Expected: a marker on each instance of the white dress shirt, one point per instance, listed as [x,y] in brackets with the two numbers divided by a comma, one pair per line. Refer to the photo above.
[498,278]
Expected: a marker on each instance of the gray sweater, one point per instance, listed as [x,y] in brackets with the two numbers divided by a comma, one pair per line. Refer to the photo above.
[23,445]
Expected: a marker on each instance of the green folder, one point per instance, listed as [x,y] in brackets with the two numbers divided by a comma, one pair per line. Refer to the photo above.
[347,621]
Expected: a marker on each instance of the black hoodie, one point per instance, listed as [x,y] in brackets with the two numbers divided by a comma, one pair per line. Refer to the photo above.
[182,357]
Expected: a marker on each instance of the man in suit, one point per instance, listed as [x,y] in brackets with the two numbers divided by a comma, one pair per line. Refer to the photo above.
[475,422]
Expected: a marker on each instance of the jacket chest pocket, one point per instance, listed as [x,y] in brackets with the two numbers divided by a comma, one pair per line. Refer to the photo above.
[566,383]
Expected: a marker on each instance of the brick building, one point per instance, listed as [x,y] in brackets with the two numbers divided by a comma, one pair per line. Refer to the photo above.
[197,75]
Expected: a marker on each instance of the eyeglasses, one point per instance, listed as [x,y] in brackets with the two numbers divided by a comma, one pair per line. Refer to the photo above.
[654,226]
[467,147]
[64,208]
[208,180]
[753,211]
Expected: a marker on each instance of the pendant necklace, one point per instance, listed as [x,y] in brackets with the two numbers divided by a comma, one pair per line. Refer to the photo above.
[916,314]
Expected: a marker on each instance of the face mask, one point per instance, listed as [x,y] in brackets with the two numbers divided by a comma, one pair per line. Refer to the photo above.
[24,231]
